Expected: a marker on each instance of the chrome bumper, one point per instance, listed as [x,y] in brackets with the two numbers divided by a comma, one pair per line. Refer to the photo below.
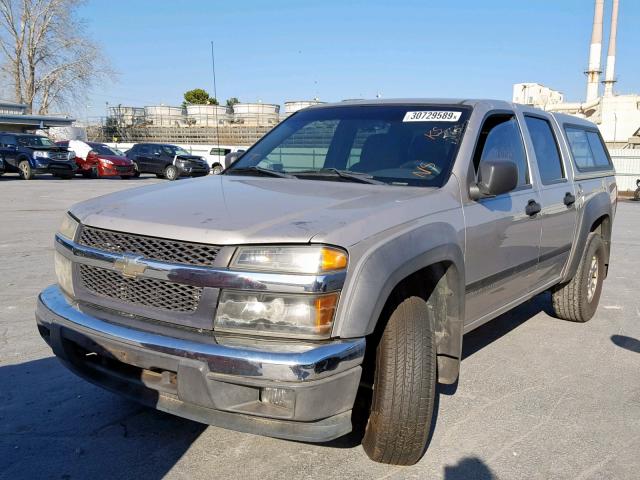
[213,383]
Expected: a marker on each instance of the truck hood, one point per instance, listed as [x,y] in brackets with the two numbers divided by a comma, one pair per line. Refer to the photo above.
[228,210]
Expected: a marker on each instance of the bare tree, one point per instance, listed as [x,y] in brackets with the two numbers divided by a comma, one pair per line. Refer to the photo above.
[48,59]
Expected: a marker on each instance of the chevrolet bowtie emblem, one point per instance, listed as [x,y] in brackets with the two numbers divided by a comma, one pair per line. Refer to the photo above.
[130,266]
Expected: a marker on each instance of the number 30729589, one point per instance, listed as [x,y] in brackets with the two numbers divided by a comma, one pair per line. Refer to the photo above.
[432,116]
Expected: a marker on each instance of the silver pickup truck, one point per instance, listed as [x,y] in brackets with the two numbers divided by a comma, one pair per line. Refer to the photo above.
[348,251]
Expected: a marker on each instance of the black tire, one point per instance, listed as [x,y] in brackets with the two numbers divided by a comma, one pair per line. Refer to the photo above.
[217,169]
[404,387]
[24,170]
[159,175]
[137,170]
[171,173]
[578,299]
[86,173]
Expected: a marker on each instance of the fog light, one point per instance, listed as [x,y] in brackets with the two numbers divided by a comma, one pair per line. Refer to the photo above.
[279,397]
[64,268]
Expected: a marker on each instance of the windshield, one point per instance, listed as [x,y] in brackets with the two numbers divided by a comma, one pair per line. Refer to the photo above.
[173,150]
[104,150]
[399,145]
[35,141]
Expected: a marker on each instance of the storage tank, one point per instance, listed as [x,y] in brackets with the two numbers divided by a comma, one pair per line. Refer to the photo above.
[163,115]
[206,115]
[292,106]
[126,116]
[256,113]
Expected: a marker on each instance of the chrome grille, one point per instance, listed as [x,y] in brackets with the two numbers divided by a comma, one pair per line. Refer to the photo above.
[162,249]
[58,155]
[147,292]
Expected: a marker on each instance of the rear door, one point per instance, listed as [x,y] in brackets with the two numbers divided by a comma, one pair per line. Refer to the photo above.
[8,150]
[557,196]
[143,158]
[503,232]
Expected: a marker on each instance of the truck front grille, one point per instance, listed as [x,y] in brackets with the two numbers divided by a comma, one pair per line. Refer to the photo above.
[147,292]
[161,249]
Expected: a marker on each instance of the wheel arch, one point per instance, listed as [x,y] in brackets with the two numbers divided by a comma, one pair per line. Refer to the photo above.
[596,216]
[436,275]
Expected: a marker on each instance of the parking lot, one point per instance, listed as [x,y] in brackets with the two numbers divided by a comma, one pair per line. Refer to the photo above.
[537,398]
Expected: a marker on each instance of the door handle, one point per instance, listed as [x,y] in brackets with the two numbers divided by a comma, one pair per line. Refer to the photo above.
[569,199]
[533,208]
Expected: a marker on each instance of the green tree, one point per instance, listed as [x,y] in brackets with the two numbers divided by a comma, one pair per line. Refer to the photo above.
[198,96]
[231,102]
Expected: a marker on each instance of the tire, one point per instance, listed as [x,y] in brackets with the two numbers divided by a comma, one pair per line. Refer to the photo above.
[86,173]
[217,169]
[578,299]
[24,170]
[171,173]
[125,177]
[159,175]
[636,194]
[65,176]
[137,170]
[404,387]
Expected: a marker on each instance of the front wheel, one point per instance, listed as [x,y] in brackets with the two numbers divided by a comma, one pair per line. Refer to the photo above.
[404,386]
[171,172]
[24,170]
[578,299]
[217,169]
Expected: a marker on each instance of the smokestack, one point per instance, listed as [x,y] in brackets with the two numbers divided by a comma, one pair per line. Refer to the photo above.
[595,52]
[610,79]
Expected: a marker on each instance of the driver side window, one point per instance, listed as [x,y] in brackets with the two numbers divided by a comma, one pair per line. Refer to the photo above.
[500,139]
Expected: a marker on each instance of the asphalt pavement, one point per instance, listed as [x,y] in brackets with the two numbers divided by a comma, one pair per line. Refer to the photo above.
[538,397]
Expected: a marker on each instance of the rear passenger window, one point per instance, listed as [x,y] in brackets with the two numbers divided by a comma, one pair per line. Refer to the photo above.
[546,149]
[500,139]
[588,151]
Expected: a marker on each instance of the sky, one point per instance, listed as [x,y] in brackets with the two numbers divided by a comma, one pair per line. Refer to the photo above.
[292,50]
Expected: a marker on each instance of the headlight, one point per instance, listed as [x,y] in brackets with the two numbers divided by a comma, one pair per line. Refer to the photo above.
[40,154]
[63,267]
[69,227]
[273,314]
[71,154]
[303,259]
[106,161]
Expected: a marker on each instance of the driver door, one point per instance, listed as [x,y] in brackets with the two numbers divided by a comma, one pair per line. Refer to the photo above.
[502,235]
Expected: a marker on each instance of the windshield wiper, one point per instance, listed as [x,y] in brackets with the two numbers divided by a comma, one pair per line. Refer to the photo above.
[264,171]
[359,177]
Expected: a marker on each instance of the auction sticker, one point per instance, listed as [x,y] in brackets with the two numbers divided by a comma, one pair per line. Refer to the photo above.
[432,116]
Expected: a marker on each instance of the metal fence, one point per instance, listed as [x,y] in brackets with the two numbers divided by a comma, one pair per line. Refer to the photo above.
[627,165]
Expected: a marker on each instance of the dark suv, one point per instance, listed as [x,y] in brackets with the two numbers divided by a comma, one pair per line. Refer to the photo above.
[29,154]
[166,161]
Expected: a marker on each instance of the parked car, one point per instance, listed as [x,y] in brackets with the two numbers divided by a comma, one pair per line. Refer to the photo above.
[29,155]
[166,161]
[95,160]
[217,157]
[350,248]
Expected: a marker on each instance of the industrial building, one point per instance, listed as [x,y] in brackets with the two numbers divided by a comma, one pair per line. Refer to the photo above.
[617,115]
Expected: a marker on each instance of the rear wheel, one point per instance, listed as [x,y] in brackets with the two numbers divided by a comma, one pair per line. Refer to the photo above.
[24,170]
[404,386]
[217,169]
[578,299]
[171,172]
[136,169]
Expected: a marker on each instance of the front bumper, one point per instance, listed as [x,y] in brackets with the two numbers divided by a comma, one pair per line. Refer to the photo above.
[53,167]
[116,170]
[206,381]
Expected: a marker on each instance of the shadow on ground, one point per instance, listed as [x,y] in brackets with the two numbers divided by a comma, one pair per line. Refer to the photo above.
[55,425]
[628,343]
[468,469]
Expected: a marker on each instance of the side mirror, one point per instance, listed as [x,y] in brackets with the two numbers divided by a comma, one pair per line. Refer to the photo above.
[495,178]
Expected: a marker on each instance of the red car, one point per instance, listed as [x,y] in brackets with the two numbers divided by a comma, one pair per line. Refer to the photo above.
[97,160]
